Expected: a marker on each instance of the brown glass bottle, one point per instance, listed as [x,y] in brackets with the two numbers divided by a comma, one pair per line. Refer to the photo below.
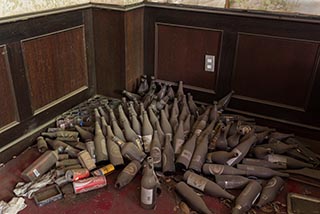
[247,197]
[130,150]
[149,186]
[187,151]
[191,198]
[168,167]
[231,181]
[270,191]
[205,185]
[127,174]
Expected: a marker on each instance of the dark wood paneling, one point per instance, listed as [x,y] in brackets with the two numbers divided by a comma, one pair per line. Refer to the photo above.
[180,54]
[134,47]
[8,112]
[278,59]
[109,41]
[280,71]
[56,65]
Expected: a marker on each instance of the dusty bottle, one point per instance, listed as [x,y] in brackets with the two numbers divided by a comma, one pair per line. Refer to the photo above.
[260,152]
[247,134]
[247,197]
[234,139]
[62,135]
[115,156]
[147,131]
[175,108]
[57,144]
[130,95]
[280,136]
[187,126]
[97,116]
[224,101]
[312,173]
[214,114]
[180,92]
[187,151]
[127,174]
[136,126]
[152,117]
[199,155]
[242,149]
[279,147]
[103,113]
[290,162]
[192,198]
[170,92]
[155,150]
[131,136]
[168,167]
[205,185]
[217,169]
[149,186]
[221,157]
[160,104]
[231,181]
[166,110]
[104,126]
[122,116]
[261,172]
[84,134]
[201,123]
[270,191]
[178,139]
[42,144]
[116,129]
[143,87]
[130,150]
[101,152]
[222,143]
[165,125]
[174,122]
[40,166]
[192,106]
[184,112]
[160,133]
[91,149]
[264,163]
[261,136]
[73,152]
[163,89]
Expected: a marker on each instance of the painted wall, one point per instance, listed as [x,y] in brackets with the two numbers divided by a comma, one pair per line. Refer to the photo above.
[311,7]
[9,8]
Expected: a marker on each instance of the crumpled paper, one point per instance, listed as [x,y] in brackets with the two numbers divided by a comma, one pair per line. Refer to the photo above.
[14,206]
[27,189]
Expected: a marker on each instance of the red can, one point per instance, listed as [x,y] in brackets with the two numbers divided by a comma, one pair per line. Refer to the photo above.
[89,184]
[77,174]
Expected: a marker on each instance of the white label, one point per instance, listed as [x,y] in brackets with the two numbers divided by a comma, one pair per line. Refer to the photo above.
[146,196]
[277,159]
[186,154]
[178,145]
[146,142]
[36,172]
[197,182]
[232,160]
[216,169]
[156,154]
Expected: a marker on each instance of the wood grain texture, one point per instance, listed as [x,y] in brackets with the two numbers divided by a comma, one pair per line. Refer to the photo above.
[109,41]
[55,64]
[180,54]
[8,113]
[280,71]
[134,47]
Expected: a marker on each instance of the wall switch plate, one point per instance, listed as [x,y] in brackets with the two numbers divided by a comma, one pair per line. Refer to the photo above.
[209,63]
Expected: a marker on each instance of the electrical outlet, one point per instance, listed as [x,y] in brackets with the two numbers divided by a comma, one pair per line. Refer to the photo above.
[209,63]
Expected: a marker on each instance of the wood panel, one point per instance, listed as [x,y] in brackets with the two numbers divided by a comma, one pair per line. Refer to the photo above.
[55,64]
[180,52]
[8,113]
[109,43]
[134,47]
[279,72]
